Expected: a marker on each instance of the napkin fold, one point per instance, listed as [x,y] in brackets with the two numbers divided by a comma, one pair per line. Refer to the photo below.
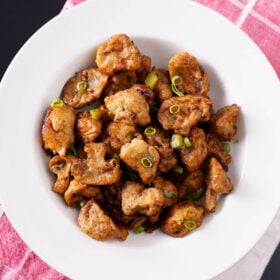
[261,21]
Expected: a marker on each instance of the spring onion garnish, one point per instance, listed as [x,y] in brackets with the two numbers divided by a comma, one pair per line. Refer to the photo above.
[71,151]
[187,142]
[226,147]
[150,131]
[190,224]
[57,103]
[169,194]
[177,141]
[95,113]
[195,194]
[178,169]
[146,162]
[82,202]
[116,156]
[139,229]
[81,86]
[174,109]
[151,80]
[176,81]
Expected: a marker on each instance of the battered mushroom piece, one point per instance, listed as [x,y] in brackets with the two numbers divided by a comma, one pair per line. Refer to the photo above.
[129,106]
[120,81]
[98,225]
[193,156]
[95,170]
[210,202]
[58,129]
[136,199]
[195,80]
[162,89]
[181,113]
[84,88]
[182,218]
[169,190]
[141,157]
[161,141]
[61,166]
[217,178]
[119,53]
[117,134]
[78,191]
[215,148]
[87,128]
[223,122]
[189,183]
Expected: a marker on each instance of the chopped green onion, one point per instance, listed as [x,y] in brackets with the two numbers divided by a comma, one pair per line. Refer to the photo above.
[174,109]
[195,194]
[151,80]
[178,169]
[146,162]
[139,229]
[71,151]
[150,131]
[82,202]
[81,86]
[190,224]
[187,142]
[95,113]
[116,156]
[226,147]
[57,103]
[169,194]
[177,141]
[176,81]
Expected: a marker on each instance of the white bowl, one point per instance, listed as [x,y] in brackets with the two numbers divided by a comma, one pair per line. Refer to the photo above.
[239,73]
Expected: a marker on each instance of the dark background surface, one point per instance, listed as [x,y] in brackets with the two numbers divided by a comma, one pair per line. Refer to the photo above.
[19,20]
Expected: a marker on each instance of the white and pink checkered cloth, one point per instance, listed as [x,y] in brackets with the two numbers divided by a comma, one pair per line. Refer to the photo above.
[260,19]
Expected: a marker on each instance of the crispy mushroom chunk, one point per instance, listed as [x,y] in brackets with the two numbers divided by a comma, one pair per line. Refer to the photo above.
[210,202]
[141,157]
[161,141]
[181,113]
[119,53]
[136,199]
[84,88]
[129,106]
[193,156]
[98,225]
[61,166]
[95,170]
[223,122]
[58,129]
[87,128]
[78,191]
[182,218]
[195,80]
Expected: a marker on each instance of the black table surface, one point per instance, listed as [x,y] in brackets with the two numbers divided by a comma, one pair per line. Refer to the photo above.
[19,20]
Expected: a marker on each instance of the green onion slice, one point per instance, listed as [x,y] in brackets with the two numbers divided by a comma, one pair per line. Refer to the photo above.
[82,202]
[176,81]
[150,131]
[146,162]
[151,80]
[195,194]
[139,229]
[177,141]
[187,142]
[71,151]
[95,113]
[57,103]
[190,224]
[116,156]
[226,147]
[174,109]
[178,169]
[81,86]
[169,194]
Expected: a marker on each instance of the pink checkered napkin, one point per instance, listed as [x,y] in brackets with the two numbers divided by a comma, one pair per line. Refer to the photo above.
[261,21]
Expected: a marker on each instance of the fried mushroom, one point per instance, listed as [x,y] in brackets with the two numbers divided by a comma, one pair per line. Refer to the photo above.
[58,129]
[162,89]
[98,225]
[95,170]
[84,88]
[181,113]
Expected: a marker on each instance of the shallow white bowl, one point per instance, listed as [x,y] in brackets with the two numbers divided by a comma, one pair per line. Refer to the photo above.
[239,73]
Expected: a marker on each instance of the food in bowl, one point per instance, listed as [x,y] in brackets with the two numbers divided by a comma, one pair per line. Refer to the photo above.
[136,147]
